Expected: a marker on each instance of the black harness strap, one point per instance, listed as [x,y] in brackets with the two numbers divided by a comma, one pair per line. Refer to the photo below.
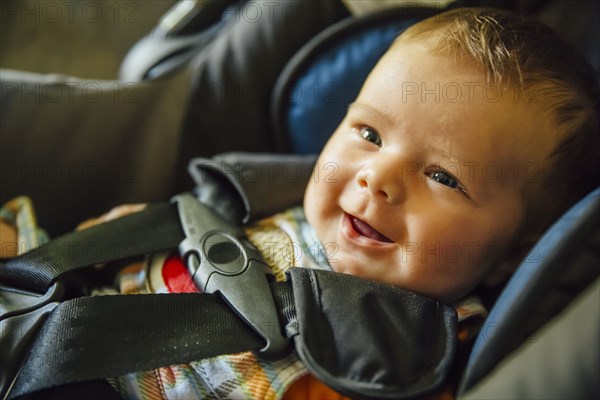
[96,337]
[154,229]
[90,338]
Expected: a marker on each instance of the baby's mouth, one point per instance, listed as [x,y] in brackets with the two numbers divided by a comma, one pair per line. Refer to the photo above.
[367,230]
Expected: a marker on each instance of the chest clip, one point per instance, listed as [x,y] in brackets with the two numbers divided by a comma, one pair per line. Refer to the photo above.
[220,259]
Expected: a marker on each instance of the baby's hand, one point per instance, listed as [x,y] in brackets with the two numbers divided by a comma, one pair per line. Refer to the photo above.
[117,212]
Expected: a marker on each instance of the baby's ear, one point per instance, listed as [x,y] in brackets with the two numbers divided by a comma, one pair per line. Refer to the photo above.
[502,272]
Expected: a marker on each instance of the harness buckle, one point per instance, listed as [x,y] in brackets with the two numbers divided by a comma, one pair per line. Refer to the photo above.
[221,259]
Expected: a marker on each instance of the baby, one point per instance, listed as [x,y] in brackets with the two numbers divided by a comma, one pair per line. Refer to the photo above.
[473,133]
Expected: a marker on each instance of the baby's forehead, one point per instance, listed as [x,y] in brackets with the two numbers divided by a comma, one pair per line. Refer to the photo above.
[420,90]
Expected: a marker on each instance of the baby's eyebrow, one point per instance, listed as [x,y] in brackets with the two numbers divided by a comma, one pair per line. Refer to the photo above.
[373,111]
[446,153]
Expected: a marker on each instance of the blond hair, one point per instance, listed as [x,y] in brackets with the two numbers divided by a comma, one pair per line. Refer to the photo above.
[522,53]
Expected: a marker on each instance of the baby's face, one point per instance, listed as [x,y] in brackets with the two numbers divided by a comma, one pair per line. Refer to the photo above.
[421,185]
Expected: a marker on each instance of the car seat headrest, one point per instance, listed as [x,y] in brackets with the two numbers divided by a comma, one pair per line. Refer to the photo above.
[317,85]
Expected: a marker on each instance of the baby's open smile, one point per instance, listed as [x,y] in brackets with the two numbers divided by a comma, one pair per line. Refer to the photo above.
[363,229]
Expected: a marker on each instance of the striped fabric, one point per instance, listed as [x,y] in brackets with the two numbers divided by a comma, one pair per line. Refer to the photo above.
[19,213]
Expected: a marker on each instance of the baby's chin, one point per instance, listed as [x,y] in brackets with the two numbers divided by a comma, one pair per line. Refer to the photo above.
[353,265]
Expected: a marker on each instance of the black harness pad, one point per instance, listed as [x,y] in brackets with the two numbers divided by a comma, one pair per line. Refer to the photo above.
[369,339]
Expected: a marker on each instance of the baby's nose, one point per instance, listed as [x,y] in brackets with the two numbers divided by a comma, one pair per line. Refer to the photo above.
[373,188]
[382,181]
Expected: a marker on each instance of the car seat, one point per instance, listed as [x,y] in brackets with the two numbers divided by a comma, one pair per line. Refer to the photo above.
[308,102]
[137,134]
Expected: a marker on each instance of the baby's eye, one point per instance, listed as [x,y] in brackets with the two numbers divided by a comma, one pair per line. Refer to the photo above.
[371,135]
[446,179]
